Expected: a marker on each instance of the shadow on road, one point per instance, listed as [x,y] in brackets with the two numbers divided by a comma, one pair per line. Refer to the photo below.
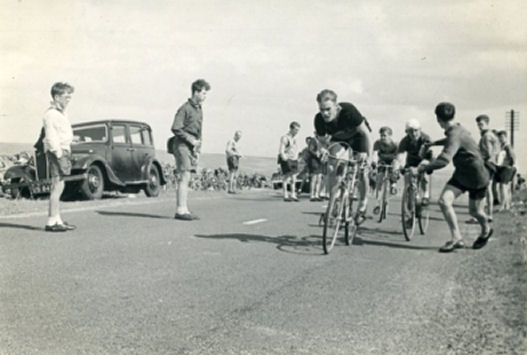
[132,214]
[361,241]
[20,226]
[308,245]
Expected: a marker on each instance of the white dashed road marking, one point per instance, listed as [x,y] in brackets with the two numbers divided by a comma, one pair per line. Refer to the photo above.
[255,221]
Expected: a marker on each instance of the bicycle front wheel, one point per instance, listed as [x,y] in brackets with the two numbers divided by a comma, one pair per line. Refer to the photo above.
[408,213]
[333,221]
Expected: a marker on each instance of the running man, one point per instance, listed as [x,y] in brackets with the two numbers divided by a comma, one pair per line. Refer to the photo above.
[469,175]
[414,144]
[233,160]
[342,122]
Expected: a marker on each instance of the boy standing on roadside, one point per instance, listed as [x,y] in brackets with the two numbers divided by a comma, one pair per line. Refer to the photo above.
[187,144]
[288,159]
[57,145]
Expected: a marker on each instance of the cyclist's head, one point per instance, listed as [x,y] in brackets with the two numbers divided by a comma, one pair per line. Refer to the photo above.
[413,128]
[327,104]
[237,135]
[385,133]
[294,127]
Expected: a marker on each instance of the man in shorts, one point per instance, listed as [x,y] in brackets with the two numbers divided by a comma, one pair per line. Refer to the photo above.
[233,160]
[343,123]
[489,147]
[414,144]
[187,144]
[288,160]
[469,175]
[58,136]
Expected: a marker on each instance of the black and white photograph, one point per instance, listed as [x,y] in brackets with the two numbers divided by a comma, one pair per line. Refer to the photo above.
[263,177]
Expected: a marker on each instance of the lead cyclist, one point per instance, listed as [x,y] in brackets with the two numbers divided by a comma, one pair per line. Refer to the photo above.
[343,123]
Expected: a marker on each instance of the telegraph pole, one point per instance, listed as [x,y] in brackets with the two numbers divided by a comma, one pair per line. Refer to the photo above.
[512,123]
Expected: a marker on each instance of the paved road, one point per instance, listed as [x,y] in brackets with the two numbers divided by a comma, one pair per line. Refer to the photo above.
[249,277]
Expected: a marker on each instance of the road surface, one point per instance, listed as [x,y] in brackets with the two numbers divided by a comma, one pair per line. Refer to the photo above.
[249,277]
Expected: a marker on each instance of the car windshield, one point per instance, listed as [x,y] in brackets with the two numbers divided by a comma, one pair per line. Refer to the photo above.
[95,133]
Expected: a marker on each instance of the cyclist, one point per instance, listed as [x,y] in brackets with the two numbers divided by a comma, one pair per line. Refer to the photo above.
[342,122]
[385,153]
[416,146]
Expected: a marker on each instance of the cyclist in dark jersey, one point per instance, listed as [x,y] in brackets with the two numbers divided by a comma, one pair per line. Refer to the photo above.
[414,144]
[342,122]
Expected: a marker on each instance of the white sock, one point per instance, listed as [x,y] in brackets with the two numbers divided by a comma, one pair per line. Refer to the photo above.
[52,221]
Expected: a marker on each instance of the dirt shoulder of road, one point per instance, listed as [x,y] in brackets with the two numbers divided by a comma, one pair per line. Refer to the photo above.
[486,311]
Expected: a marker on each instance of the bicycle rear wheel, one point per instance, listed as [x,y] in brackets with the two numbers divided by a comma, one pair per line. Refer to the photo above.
[333,221]
[424,213]
[408,217]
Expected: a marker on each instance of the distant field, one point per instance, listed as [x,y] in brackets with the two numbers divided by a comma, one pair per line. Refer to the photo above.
[261,165]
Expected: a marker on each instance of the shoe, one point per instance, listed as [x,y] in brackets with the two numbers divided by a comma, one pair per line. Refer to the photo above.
[56,228]
[489,219]
[314,199]
[472,221]
[425,201]
[377,210]
[482,240]
[186,217]
[287,199]
[451,246]
[68,226]
[295,199]
[361,217]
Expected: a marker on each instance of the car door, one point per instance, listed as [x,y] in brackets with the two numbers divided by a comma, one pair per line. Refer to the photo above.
[121,152]
[142,147]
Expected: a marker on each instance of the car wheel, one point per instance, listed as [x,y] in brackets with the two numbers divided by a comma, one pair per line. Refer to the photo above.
[153,185]
[21,191]
[93,187]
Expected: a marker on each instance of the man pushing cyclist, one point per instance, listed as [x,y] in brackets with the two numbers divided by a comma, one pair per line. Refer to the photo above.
[343,123]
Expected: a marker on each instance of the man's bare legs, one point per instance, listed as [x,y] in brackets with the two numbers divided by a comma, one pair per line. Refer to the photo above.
[182,193]
[57,187]
[446,203]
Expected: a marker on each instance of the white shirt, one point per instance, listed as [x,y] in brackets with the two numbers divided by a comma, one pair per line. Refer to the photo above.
[59,134]
[288,147]
[232,148]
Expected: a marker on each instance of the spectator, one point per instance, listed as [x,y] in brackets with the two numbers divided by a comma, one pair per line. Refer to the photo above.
[233,159]
[57,145]
[187,144]
[288,160]
[505,171]
[489,147]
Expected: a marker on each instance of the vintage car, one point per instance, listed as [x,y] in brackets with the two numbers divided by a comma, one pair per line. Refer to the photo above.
[107,155]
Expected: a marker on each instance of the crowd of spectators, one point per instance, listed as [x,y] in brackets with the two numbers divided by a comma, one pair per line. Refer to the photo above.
[208,179]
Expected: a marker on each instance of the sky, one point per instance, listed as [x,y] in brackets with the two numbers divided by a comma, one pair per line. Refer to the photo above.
[266,61]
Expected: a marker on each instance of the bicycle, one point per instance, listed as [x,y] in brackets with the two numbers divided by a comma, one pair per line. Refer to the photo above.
[382,209]
[339,212]
[412,209]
